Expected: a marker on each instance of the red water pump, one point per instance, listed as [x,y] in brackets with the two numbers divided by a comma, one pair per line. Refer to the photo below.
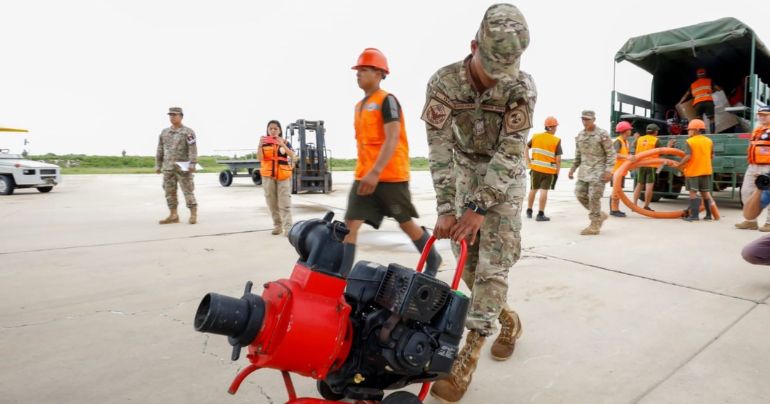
[358,330]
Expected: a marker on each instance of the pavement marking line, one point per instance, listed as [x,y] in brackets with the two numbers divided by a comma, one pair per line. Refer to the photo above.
[693,356]
[617,271]
[134,242]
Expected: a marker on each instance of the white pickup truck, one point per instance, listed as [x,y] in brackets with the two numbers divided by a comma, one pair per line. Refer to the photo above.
[17,172]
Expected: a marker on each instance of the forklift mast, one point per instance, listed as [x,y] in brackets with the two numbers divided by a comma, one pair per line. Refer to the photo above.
[311,172]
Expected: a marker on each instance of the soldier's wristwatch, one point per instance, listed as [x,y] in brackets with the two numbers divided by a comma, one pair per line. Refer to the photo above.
[476,208]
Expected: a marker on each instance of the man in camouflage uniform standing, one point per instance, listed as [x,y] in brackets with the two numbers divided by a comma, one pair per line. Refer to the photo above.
[177,144]
[595,157]
[478,114]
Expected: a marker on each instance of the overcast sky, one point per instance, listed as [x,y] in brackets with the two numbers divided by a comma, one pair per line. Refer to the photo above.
[97,77]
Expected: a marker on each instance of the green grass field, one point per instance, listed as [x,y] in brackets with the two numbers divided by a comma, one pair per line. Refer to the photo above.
[83,164]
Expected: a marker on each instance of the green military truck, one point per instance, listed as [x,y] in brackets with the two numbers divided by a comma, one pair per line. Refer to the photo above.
[735,59]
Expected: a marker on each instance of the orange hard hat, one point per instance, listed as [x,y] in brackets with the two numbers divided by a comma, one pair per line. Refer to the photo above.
[700,72]
[551,121]
[623,126]
[696,124]
[372,57]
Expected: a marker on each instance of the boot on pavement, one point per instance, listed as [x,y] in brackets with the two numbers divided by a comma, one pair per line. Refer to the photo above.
[765,228]
[510,331]
[593,229]
[693,211]
[277,229]
[194,215]
[172,218]
[452,389]
[750,225]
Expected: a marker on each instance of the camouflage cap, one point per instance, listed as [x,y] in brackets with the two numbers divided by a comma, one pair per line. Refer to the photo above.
[175,110]
[588,114]
[502,38]
[652,128]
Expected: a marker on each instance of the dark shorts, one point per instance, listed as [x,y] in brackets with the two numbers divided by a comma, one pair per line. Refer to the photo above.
[700,183]
[705,107]
[540,180]
[645,175]
[390,199]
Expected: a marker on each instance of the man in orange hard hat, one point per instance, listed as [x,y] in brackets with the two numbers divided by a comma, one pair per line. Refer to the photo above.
[623,152]
[381,186]
[696,164]
[544,165]
[701,91]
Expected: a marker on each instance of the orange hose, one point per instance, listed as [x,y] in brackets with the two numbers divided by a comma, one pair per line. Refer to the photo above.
[645,159]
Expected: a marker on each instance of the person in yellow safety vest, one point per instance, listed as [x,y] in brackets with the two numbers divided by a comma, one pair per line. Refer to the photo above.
[759,163]
[544,164]
[620,144]
[701,90]
[646,176]
[698,170]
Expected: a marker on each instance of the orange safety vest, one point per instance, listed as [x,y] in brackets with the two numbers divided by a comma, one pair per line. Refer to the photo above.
[701,91]
[370,136]
[273,163]
[623,150]
[701,149]
[759,150]
[647,142]
[544,147]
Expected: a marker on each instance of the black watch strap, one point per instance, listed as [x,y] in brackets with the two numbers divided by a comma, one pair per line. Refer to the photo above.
[476,208]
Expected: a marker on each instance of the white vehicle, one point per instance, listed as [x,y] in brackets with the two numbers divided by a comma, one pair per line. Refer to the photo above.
[17,172]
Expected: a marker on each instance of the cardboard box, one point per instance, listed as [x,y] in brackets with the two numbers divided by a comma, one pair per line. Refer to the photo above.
[686,110]
[724,120]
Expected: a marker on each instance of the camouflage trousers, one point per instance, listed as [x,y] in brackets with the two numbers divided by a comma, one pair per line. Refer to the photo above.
[590,196]
[496,250]
[185,180]
[278,198]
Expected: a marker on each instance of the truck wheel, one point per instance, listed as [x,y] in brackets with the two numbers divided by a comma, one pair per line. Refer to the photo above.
[401,397]
[6,185]
[44,189]
[256,177]
[326,392]
[225,178]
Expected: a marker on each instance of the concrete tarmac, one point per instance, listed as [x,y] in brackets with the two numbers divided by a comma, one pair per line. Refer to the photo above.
[98,299]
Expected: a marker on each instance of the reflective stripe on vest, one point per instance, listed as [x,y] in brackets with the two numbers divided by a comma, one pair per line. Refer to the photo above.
[370,136]
[623,151]
[273,164]
[544,147]
[759,150]
[701,91]
[701,149]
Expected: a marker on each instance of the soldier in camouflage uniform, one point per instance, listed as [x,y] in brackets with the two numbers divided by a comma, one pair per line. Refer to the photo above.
[478,114]
[595,157]
[177,144]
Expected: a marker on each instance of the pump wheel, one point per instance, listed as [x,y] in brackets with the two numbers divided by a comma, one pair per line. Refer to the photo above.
[326,392]
[401,397]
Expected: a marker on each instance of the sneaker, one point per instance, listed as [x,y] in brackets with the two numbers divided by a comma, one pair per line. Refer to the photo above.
[617,213]
[542,218]
[529,213]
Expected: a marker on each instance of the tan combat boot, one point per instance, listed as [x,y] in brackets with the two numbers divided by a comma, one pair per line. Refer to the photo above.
[452,389]
[510,331]
[592,229]
[194,215]
[277,229]
[603,219]
[172,218]
[765,228]
[747,225]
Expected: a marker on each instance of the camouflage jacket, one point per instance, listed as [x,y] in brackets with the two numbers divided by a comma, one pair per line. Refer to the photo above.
[175,145]
[594,154]
[484,132]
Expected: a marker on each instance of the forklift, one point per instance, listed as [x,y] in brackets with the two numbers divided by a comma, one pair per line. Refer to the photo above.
[311,170]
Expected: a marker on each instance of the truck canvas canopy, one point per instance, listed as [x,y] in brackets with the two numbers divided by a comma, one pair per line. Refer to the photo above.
[725,47]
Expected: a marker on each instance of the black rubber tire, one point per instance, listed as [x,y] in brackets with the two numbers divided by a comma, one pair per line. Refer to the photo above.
[256,177]
[655,197]
[326,392]
[225,178]
[401,397]
[7,185]
[44,189]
